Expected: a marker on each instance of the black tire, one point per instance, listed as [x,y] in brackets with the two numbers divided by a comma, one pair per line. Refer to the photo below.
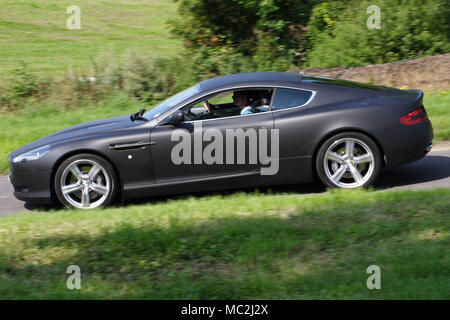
[327,168]
[105,181]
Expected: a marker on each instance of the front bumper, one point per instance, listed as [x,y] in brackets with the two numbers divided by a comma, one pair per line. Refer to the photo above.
[32,186]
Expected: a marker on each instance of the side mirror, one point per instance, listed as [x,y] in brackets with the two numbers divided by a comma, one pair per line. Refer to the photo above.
[176,117]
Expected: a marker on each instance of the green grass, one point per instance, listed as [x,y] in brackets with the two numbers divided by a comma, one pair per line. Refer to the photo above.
[240,246]
[438,109]
[35,31]
[38,120]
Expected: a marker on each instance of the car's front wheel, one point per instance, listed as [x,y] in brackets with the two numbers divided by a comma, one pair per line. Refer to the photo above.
[348,160]
[85,181]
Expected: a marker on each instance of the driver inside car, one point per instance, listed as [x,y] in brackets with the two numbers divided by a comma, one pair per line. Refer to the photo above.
[241,100]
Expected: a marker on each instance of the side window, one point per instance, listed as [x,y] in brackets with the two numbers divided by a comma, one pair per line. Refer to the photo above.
[289,98]
[222,98]
[229,103]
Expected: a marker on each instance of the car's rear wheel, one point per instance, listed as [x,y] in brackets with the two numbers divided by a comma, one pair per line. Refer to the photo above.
[348,160]
[85,181]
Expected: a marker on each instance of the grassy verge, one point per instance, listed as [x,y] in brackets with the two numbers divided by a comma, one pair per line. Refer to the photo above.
[438,108]
[36,121]
[255,246]
[35,31]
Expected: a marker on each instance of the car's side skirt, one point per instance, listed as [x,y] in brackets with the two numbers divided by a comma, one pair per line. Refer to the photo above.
[292,170]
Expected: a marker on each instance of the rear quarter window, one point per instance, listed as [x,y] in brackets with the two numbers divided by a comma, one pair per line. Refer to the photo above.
[290,98]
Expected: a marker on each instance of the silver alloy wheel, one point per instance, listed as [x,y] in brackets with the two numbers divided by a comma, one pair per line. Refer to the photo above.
[349,163]
[85,184]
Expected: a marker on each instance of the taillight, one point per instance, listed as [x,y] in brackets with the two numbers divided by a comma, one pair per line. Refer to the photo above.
[417,116]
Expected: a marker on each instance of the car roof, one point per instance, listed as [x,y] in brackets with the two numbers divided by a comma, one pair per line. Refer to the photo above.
[250,78]
[283,79]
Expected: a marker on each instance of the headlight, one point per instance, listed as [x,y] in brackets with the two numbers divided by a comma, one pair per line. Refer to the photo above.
[33,154]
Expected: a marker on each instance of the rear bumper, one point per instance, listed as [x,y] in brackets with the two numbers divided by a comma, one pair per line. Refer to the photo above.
[406,144]
[32,186]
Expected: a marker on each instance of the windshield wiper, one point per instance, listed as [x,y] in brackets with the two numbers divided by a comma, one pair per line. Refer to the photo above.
[138,116]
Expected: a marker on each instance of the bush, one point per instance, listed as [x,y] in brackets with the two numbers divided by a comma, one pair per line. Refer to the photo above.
[27,87]
[410,29]
[207,62]
[308,33]
[25,82]
[243,26]
[144,77]
[147,78]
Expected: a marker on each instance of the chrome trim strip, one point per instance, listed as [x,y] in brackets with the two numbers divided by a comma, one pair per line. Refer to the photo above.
[130,145]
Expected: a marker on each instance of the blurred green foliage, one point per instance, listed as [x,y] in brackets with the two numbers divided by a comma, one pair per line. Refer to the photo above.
[241,24]
[25,82]
[230,36]
[409,29]
[309,33]
[233,36]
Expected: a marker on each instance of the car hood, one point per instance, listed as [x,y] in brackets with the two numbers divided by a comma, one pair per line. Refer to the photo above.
[80,130]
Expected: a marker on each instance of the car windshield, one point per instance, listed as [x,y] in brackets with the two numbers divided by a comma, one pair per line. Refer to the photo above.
[171,102]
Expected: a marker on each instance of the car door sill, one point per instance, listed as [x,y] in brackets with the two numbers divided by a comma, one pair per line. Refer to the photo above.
[176,182]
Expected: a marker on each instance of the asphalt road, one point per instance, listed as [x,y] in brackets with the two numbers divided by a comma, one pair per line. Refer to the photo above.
[430,172]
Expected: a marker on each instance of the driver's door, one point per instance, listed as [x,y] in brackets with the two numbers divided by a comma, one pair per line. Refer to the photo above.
[167,170]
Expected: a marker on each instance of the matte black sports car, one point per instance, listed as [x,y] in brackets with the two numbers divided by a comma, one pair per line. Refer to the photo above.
[239,130]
